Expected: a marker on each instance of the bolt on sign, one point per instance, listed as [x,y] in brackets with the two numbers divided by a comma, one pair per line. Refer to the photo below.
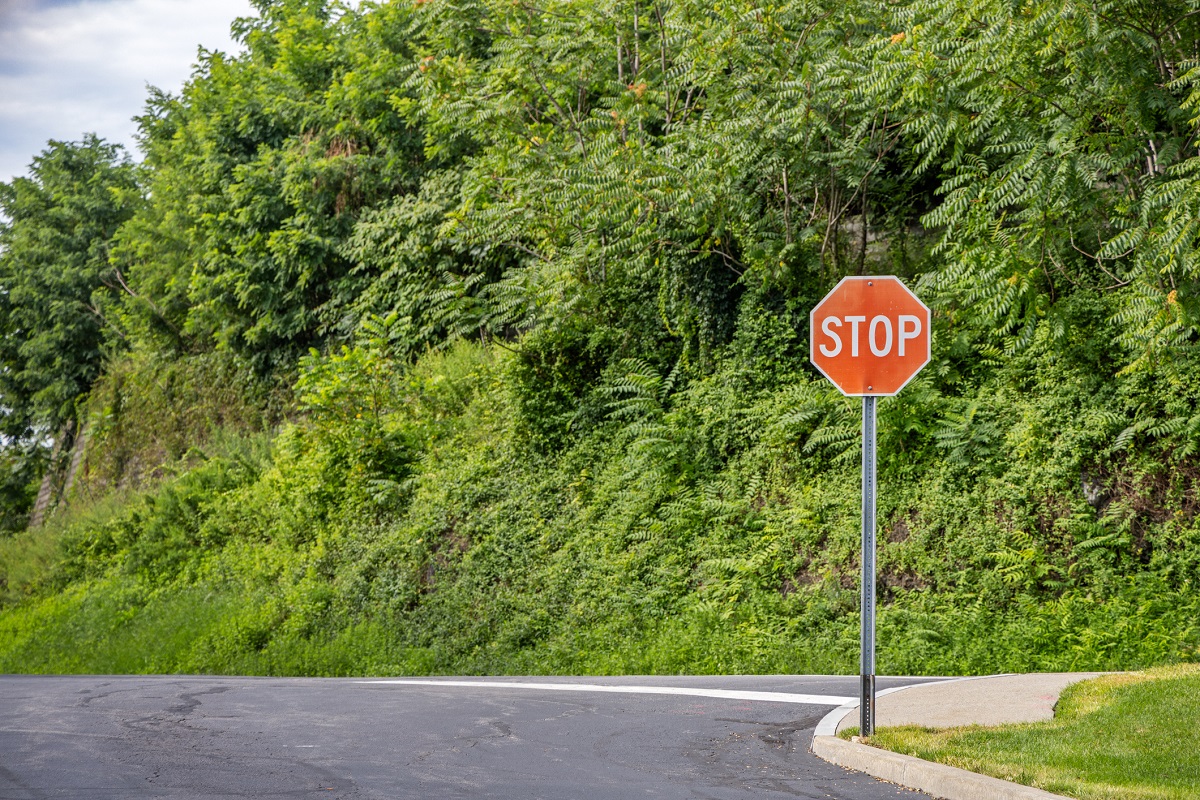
[869,336]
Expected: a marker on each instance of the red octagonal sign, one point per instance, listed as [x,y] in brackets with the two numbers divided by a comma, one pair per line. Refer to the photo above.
[870,336]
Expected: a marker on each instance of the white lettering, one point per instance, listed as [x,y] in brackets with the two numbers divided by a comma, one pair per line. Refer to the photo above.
[854,334]
[907,333]
[826,323]
[871,337]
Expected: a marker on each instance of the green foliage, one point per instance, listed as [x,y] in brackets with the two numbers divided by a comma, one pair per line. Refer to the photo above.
[1060,131]
[552,267]
[555,377]
[259,171]
[57,288]
[411,524]
[415,267]
[19,473]
[153,414]
[482,167]
[347,395]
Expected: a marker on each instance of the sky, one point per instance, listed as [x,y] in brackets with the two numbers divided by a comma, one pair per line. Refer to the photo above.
[69,67]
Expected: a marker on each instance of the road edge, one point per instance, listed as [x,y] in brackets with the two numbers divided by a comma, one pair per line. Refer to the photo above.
[938,780]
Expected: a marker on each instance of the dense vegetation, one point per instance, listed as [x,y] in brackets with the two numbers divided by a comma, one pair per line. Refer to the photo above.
[471,336]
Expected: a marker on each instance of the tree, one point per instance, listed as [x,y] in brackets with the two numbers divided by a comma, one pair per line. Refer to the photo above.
[57,289]
[258,172]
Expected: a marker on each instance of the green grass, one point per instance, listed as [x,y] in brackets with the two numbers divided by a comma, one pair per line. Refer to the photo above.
[1130,736]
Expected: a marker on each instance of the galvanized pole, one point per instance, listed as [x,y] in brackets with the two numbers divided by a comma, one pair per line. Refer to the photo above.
[866,704]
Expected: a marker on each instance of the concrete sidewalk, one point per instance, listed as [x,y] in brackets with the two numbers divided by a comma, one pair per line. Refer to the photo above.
[992,700]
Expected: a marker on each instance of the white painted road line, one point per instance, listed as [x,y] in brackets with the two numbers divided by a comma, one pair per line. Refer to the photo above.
[721,694]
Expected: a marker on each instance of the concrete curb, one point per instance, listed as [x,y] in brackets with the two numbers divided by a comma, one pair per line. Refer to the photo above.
[938,780]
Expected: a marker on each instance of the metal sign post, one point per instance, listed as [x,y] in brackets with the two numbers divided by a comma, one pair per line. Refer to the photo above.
[866,666]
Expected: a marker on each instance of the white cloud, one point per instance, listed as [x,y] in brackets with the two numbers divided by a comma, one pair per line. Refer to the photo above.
[69,67]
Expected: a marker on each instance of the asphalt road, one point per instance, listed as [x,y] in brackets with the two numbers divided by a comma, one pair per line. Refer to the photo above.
[199,737]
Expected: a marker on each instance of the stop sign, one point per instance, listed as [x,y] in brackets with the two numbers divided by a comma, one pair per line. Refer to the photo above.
[869,335]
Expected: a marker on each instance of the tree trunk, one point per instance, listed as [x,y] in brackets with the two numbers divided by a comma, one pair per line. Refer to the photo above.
[77,451]
[46,493]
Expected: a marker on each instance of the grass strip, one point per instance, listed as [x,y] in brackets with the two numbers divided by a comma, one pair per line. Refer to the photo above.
[1132,736]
